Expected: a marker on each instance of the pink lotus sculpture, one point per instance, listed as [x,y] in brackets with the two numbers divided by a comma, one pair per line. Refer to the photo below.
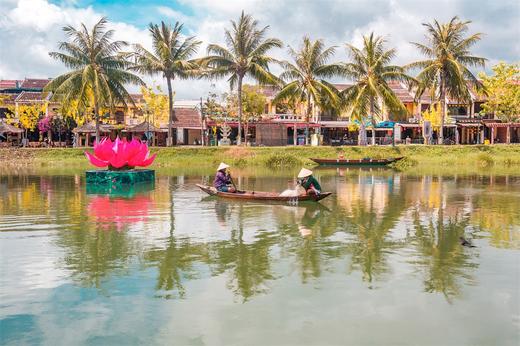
[120,154]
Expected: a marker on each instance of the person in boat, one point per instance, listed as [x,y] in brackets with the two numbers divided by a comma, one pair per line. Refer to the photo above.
[308,182]
[223,181]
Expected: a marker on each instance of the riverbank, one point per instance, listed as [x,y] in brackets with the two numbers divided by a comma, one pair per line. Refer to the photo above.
[280,157]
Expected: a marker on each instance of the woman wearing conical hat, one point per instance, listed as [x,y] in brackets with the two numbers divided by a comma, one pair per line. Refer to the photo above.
[308,182]
[223,181]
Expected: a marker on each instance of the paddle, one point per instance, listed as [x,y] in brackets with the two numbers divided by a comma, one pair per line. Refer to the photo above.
[233,183]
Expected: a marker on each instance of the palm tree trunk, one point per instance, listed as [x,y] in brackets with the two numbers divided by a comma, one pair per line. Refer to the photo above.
[246,130]
[96,111]
[373,121]
[307,119]
[170,112]
[239,137]
[440,139]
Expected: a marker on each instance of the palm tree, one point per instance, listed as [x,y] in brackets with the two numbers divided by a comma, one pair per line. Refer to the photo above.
[244,55]
[171,57]
[98,72]
[447,68]
[371,71]
[304,79]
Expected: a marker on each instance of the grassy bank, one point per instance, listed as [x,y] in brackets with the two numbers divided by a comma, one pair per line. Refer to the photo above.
[467,157]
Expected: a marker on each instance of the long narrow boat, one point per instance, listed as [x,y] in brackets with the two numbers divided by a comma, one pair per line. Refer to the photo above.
[356,162]
[261,196]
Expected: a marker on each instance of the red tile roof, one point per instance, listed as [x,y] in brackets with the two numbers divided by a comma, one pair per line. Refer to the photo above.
[138,98]
[33,96]
[269,90]
[142,127]
[187,118]
[8,84]
[401,91]
[34,83]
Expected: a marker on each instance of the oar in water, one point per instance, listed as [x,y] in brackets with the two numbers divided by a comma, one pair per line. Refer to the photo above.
[234,186]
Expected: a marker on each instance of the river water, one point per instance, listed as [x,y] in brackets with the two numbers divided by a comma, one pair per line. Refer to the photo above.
[377,263]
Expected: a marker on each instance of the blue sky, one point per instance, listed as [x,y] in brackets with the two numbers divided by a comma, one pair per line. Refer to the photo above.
[32,28]
[136,12]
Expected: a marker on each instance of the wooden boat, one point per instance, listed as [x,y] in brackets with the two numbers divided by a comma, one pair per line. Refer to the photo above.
[261,196]
[356,162]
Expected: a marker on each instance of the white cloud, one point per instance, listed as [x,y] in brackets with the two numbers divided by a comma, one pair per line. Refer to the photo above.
[31,28]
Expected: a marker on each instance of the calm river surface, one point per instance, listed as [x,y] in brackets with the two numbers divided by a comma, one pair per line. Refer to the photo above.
[379,262]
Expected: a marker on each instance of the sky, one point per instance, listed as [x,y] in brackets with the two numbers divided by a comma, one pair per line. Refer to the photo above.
[30,29]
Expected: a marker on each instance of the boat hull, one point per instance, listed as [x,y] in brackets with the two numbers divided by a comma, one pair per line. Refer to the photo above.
[356,162]
[261,196]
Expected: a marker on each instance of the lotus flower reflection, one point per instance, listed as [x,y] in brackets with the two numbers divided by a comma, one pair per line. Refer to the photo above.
[120,154]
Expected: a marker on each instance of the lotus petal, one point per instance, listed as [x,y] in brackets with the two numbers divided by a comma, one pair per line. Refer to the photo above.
[120,153]
[148,161]
[140,156]
[95,161]
[103,150]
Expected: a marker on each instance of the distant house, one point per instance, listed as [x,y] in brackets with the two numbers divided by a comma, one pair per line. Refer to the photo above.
[188,126]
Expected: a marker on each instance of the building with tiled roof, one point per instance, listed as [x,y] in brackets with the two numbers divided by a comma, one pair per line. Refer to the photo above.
[33,97]
[9,84]
[137,98]
[34,84]
[188,125]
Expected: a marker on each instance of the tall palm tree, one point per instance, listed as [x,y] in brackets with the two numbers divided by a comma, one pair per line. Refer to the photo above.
[305,77]
[98,72]
[446,69]
[371,71]
[171,57]
[245,54]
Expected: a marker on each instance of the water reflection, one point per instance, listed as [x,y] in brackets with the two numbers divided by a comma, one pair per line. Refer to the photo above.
[378,224]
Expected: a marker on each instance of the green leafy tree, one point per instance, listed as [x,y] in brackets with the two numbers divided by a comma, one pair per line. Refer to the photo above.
[446,69]
[503,89]
[171,56]
[305,78]
[212,107]
[245,54]
[98,71]
[371,71]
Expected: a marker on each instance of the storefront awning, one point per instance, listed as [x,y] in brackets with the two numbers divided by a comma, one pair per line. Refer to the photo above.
[502,124]
[410,125]
[335,124]
[469,124]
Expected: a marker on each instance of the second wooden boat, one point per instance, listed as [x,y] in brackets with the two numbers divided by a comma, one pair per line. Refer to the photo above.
[261,196]
[356,162]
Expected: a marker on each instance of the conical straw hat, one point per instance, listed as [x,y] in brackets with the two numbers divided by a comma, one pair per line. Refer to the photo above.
[222,166]
[304,173]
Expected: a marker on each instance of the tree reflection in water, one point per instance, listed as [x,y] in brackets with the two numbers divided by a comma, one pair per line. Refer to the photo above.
[445,264]
[360,225]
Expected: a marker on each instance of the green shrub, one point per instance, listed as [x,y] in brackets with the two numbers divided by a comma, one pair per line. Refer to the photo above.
[282,160]
[485,160]
[404,163]
[240,162]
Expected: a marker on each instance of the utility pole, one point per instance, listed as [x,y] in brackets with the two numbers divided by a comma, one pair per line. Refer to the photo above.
[202,135]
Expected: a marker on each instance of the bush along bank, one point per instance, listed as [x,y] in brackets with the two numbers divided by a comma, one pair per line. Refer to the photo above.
[283,157]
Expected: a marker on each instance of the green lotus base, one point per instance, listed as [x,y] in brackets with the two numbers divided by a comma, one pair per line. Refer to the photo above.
[129,177]
[126,190]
